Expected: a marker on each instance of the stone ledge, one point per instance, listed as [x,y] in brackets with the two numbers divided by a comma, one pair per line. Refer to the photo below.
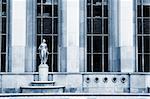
[41,87]
[42,82]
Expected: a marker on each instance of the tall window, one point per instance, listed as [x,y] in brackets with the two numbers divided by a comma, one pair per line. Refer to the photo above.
[97,35]
[47,28]
[3,35]
[143,35]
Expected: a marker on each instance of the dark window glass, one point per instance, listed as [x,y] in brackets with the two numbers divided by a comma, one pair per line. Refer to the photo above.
[146,26]
[97,63]
[147,44]
[38,62]
[139,26]
[146,11]
[106,62]
[97,44]
[38,1]
[97,26]
[55,43]
[139,11]
[47,10]
[140,44]
[88,44]
[39,26]
[49,62]
[97,2]
[49,43]
[38,10]
[105,26]
[89,26]
[55,26]
[105,44]
[55,63]
[3,49]
[140,62]
[105,10]
[47,26]
[38,42]
[88,1]
[3,62]
[4,1]
[4,25]
[147,63]
[55,10]
[97,11]
[3,9]
[89,69]
[89,11]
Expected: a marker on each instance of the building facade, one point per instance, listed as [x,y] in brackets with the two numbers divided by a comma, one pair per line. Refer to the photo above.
[94,45]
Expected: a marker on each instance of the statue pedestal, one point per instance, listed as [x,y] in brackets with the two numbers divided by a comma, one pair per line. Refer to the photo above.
[43,72]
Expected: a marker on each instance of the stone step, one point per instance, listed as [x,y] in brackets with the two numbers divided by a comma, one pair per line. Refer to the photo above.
[42,83]
[42,89]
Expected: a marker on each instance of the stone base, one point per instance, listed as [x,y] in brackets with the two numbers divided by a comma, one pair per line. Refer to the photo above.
[43,72]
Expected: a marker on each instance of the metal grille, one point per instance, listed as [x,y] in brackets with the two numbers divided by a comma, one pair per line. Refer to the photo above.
[3,35]
[143,35]
[97,35]
[47,28]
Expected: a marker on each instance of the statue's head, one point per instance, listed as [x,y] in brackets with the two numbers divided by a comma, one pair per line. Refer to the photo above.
[44,40]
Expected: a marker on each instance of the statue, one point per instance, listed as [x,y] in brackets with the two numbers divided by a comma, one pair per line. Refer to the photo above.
[43,49]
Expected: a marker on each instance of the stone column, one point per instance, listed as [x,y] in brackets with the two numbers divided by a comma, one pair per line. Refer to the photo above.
[18,34]
[127,35]
[114,36]
[73,35]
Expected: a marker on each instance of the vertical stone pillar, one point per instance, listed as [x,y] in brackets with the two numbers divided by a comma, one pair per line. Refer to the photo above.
[73,35]
[114,36]
[18,34]
[62,36]
[126,35]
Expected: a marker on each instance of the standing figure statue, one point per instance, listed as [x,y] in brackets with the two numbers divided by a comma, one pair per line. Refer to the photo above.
[43,50]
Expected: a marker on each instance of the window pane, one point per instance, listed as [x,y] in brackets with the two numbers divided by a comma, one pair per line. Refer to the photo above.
[88,1]
[49,62]
[106,62]
[140,44]
[147,63]
[38,1]
[105,10]
[48,1]
[55,10]
[55,43]
[4,1]
[89,26]
[97,11]
[55,63]
[139,26]
[38,42]
[3,49]
[47,26]
[88,44]
[97,44]
[89,63]
[55,2]
[3,9]
[97,1]
[89,11]
[55,26]
[97,63]
[146,11]
[105,26]
[4,25]
[147,44]
[3,62]
[97,26]
[38,10]
[47,10]
[140,62]
[139,11]
[146,26]
[39,26]
[105,44]
[48,42]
